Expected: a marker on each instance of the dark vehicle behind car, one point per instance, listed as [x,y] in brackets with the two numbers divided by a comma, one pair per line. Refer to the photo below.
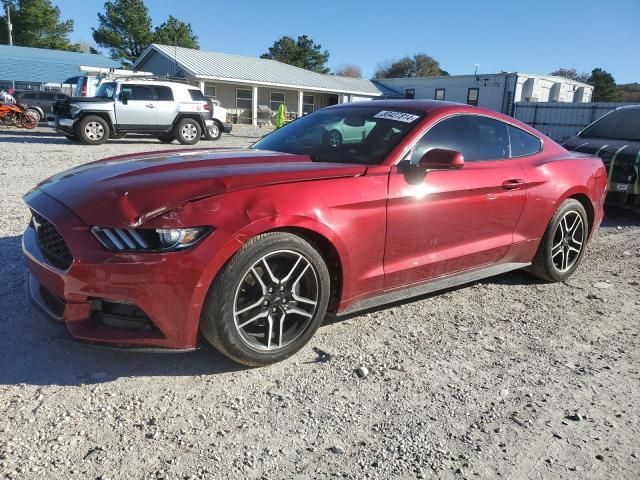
[615,138]
[40,103]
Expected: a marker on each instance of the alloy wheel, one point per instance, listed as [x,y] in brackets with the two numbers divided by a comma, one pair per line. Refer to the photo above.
[568,241]
[214,131]
[276,300]
[334,138]
[189,132]
[94,130]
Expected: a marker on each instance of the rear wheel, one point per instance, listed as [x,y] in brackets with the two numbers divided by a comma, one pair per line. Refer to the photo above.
[563,244]
[268,301]
[92,130]
[188,131]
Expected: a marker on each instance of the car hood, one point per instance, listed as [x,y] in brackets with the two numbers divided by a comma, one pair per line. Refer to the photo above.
[132,189]
[625,151]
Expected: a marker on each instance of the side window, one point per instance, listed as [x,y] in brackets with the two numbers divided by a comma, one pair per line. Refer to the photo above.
[30,96]
[139,92]
[164,94]
[197,95]
[48,97]
[477,138]
[523,143]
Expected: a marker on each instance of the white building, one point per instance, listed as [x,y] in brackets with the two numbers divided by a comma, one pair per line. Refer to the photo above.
[498,91]
[249,86]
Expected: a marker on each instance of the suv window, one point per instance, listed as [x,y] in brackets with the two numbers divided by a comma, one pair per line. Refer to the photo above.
[29,96]
[476,138]
[48,97]
[164,94]
[138,92]
[523,143]
[197,95]
[621,124]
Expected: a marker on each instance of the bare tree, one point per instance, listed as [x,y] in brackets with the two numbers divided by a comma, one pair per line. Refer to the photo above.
[348,70]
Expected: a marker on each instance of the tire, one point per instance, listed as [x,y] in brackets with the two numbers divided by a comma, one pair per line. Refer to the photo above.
[333,138]
[214,132]
[92,130]
[188,131]
[557,258]
[245,281]
[28,121]
[166,138]
[35,113]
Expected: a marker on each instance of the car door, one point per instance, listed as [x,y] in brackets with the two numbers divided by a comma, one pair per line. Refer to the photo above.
[454,220]
[165,107]
[136,107]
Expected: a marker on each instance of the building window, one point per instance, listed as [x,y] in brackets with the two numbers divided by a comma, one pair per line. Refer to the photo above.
[410,93]
[439,94]
[277,99]
[308,104]
[244,98]
[209,90]
[472,96]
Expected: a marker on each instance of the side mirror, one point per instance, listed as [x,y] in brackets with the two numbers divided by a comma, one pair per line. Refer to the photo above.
[442,159]
[124,97]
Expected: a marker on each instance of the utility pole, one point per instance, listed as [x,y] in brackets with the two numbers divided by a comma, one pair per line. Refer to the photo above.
[9,26]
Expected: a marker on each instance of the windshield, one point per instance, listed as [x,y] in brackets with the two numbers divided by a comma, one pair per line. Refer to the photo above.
[619,125]
[106,90]
[362,134]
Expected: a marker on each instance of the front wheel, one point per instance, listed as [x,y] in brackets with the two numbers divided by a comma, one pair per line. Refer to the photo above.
[563,244]
[213,132]
[28,121]
[268,301]
[188,131]
[92,130]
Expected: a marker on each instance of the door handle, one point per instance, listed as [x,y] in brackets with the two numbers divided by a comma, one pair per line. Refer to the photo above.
[150,105]
[513,184]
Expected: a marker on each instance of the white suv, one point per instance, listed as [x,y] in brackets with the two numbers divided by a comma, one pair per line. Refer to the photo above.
[166,109]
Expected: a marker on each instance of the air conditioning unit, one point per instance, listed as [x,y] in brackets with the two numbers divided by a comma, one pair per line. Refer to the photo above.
[530,99]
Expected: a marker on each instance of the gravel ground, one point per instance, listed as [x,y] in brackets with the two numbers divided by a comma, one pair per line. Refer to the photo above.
[506,378]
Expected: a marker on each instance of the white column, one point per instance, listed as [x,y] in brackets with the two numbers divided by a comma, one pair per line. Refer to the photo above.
[300,100]
[202,86]
[254,106]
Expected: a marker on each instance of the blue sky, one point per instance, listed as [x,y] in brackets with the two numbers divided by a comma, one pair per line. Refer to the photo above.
[534,36]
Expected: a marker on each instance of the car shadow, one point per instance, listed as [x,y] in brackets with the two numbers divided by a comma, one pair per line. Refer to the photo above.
[52,137]
[36,351]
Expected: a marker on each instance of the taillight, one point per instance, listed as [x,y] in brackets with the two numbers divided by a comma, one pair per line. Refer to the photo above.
[207,107]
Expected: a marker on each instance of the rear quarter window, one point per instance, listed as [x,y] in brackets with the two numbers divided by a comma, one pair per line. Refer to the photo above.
[523,143]
[197,95]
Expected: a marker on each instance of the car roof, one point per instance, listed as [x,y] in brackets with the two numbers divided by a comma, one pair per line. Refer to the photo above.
[439,106]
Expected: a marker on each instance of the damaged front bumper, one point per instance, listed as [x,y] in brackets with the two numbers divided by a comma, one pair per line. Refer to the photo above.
[133,300]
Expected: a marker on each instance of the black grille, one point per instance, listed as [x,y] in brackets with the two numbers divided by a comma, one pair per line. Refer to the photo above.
[51,244]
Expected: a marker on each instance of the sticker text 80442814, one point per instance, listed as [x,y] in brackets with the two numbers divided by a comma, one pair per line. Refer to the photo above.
[398,116]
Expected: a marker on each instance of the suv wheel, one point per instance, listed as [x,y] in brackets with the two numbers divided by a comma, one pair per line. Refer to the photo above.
[188,131]
[93,130]
[214,132]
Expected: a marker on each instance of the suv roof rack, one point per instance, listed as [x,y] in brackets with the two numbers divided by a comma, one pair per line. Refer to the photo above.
[151,78]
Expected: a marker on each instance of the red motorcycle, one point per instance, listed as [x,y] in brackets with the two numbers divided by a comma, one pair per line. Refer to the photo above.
[17,115]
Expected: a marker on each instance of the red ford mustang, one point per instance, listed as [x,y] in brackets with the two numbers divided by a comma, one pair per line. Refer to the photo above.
[342,210]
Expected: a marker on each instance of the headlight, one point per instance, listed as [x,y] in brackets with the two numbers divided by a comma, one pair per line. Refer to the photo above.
[149,240]
[74,109]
